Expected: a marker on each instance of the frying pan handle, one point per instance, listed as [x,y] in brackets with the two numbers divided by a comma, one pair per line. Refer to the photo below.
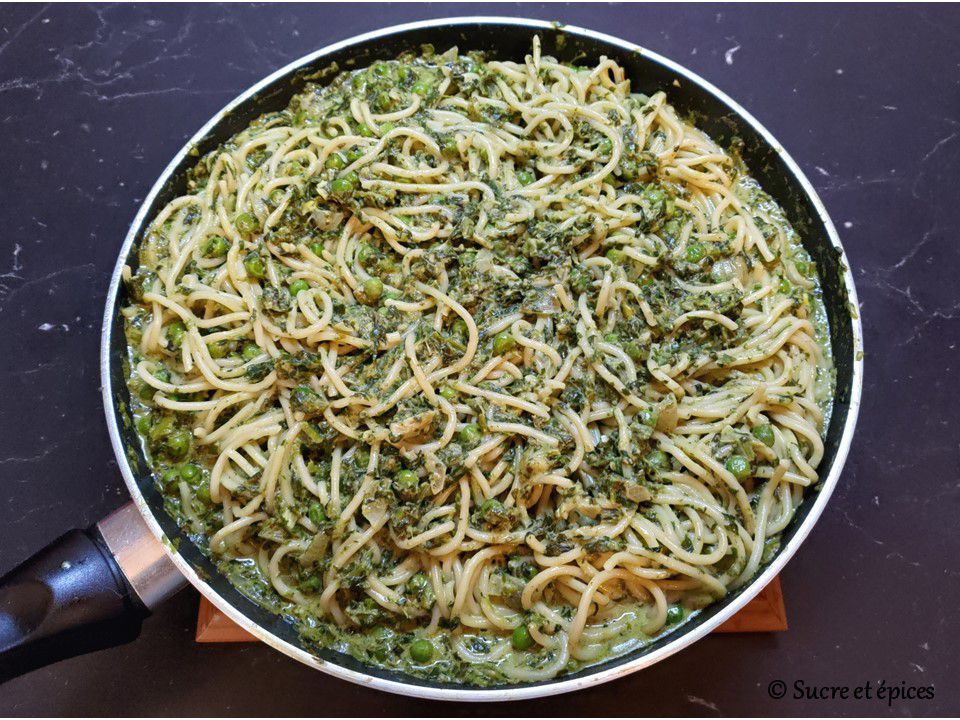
[86,591]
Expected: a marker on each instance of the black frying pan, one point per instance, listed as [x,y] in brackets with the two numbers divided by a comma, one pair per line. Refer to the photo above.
[91,589]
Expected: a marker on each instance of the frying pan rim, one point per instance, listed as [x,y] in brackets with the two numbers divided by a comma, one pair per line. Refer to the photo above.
[553,687]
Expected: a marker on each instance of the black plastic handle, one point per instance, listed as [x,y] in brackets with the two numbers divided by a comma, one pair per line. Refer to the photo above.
[69,598]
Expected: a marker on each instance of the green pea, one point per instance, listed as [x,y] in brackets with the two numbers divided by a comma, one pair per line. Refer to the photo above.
[254,265]
[317,248]
[335,161]
[344,184]
[615,255]
[611,338]
[628,169]
[298,286]
[470,435]
[448,392]
[203,494]
[407,478]
[175,333]
[354,153]
[422,87]
[216,247]
[421,651]
[189,472]
[246,223]
[316,514]
[170,476]
[372,289]
[739,466]
[674,615]
[144,422]
[658,459]
[178,443]
[503,342]
[764,433]
[803,268]
[784,287]
[407,484]
[146,393]
[364,131]
[218,350]
[695,252]
[605,147]
[366,253]
[525,177]
[521,639]
[250,351]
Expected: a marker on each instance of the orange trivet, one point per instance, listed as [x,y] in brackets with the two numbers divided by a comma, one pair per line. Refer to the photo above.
[765,613]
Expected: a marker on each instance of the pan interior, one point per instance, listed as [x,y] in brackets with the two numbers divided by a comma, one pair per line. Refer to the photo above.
[509,41]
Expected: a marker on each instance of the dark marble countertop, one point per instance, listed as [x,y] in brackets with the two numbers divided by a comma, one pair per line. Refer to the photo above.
[94,100]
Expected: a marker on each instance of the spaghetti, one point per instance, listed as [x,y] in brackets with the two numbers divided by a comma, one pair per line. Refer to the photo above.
[481,370]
